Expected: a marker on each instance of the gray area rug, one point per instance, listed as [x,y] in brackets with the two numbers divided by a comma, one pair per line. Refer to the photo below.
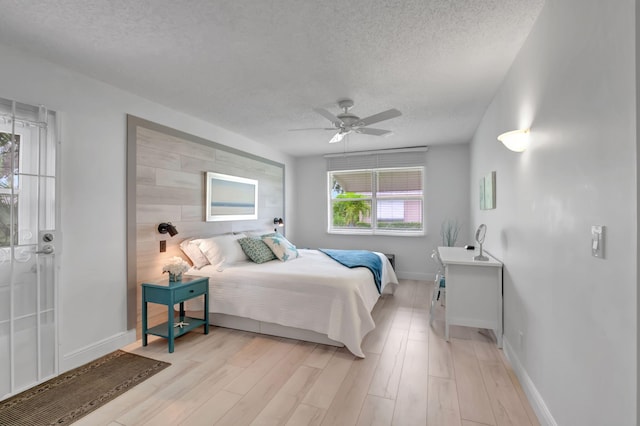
[74,394]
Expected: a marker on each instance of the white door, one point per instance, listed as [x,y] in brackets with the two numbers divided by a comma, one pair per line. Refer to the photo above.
[28,293]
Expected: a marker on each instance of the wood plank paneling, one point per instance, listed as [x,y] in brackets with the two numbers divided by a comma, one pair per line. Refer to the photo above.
[306,415]
[241,378]
[325,388]
[419,329]
[261,367]
[145,175]
[377,411]
[258,346]
[472,394]
[411,402]
[162,195]
[440,361]
[180,179]
[387,377]
[442,409]
[265,389]
[151,157]
[284,403]
[194,213]
[164,143]
[156,213]
[506,404]
[212,410]
[197,165]
[375,340]
[170,187]
[211,382]
[346,405]
[320,356]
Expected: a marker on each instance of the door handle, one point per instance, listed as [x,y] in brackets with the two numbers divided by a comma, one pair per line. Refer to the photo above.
[46,249]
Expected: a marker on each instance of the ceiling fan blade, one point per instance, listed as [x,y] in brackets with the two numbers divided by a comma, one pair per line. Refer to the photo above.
[326,114]
[337,137]
[370,131]
[312,128]
[381,116]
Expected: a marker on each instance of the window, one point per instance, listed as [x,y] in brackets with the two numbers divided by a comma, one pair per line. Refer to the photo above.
[377,201]
[9,187]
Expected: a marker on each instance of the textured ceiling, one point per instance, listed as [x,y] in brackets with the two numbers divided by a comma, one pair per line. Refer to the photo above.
[259,67]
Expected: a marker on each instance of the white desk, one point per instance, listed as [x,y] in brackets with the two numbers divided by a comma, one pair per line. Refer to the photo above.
[473,291]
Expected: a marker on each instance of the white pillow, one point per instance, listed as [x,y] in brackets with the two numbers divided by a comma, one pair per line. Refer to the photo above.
[281,247]
[222,250]
[194,253]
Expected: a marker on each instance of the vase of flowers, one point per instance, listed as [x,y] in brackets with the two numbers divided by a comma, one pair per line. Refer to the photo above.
[176,267]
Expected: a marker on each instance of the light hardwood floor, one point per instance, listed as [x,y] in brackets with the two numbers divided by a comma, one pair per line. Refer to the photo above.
[410,376]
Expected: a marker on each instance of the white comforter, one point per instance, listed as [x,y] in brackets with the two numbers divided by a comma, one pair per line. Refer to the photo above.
[312,292]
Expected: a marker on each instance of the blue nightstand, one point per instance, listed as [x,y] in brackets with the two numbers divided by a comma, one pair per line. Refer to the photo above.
[166,293]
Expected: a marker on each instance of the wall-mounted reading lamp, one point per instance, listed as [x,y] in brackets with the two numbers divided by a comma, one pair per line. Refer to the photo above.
[516,140]
[278,222]
[167,227]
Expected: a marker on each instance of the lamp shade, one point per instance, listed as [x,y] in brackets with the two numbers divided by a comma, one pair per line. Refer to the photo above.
[515,140]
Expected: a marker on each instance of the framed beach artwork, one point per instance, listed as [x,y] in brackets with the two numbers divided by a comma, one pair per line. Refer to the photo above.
[481,193]
[230,198]
[488,191]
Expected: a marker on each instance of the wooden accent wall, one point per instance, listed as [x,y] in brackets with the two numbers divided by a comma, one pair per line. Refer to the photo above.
[169,185]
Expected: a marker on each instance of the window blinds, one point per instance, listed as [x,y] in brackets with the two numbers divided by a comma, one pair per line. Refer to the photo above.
[403,181]
[407,157]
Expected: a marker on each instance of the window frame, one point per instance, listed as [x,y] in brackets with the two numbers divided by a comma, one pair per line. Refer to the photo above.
[375,230]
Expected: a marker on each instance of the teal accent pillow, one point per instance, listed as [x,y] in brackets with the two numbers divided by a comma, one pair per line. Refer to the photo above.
[281,247]
[256,249]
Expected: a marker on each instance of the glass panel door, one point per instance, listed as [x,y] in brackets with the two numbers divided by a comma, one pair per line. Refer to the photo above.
[28,317]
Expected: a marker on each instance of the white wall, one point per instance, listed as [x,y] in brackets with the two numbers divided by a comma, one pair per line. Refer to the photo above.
[573,82]
[93,259]
[447,197]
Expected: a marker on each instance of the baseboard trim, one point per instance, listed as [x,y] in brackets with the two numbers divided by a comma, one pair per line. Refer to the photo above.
[96,350]
[537,403]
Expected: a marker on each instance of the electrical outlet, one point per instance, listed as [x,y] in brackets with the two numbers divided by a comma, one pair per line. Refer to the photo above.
[163,246]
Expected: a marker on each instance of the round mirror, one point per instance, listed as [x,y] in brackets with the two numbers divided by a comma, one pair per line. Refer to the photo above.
[480,233]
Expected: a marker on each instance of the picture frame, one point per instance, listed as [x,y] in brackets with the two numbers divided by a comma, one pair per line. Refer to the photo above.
[488,191]
[230,198]
[481,193]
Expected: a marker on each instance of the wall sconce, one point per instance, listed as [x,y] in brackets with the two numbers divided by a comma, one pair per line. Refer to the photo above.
[278,222]
[163,228]
[516,140]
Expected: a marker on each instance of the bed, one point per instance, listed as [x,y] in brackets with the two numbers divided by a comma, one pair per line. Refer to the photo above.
[311,297]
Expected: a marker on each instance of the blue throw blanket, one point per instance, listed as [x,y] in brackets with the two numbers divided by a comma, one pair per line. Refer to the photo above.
[356,259]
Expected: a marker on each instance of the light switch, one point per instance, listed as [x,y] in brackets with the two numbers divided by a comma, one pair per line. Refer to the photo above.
[597,241]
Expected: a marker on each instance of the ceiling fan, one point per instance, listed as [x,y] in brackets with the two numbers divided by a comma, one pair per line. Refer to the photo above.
[346,122]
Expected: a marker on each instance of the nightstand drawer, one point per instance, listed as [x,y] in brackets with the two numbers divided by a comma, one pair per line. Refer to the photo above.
[190,291]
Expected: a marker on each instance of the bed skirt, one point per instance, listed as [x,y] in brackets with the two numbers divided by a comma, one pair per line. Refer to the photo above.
[271,329]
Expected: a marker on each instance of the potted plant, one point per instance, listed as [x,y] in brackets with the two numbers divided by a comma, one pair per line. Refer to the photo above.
[449,232]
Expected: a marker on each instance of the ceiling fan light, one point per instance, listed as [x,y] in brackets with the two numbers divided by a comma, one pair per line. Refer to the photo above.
[337,137]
